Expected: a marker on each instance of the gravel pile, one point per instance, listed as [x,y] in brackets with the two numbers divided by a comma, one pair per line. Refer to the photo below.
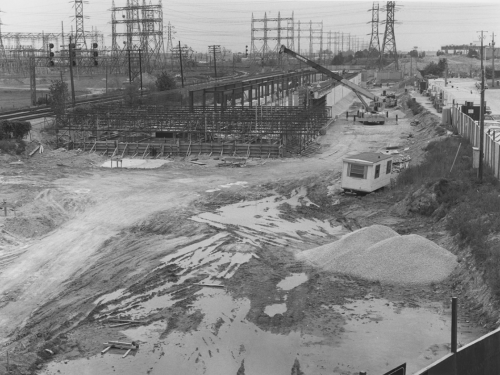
[326,255]
[395,259]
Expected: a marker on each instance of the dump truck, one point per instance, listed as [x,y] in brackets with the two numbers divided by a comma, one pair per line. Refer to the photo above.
[371,115]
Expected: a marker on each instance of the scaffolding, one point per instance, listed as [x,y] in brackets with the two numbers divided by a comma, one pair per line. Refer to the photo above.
[137,28]
[239,131]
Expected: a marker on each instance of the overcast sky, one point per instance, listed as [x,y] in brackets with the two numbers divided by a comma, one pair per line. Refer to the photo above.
[199,23]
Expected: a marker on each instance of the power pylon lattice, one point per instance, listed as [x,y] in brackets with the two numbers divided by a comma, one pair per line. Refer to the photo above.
[280,29]
[374,39]
[79,31]
[389,43]
[140,37]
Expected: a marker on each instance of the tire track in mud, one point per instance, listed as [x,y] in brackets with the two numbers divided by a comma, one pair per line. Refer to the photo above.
[41,272]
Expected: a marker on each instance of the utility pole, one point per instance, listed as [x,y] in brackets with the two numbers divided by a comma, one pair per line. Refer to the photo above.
[33,78]
[493,61]
[446,72]
[180,60]
[481,114]
[214,49]
[71,50]
[411,65]
[140,68]
[129,68]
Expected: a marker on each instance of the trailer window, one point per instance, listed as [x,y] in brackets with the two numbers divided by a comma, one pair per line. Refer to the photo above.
[389,167]
[357,171]
[377,171]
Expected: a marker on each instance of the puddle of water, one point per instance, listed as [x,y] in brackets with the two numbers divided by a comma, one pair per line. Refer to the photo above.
[205,257]
[260,222]
[292,281]
[109,297]
[137,163]
[237,183]
[278,308]
[224,338]
[373,326]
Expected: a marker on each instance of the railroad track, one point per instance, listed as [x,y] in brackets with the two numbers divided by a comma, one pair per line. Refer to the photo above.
[30,114]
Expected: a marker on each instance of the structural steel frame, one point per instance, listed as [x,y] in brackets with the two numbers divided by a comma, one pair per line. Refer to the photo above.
[245,91]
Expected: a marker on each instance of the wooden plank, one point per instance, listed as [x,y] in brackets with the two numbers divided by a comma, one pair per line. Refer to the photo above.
[119,325]
[35,150]
[123,153]
[144,155]
[106,349]
[210,285]
[126,353]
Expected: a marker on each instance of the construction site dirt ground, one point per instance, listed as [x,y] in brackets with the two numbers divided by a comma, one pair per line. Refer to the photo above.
[88,244]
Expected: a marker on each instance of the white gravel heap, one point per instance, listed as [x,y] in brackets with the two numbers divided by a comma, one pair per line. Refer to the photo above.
[324,256]
[378,253]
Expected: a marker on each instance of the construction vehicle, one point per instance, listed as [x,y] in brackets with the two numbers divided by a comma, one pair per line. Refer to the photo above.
[370,116]
[390,100]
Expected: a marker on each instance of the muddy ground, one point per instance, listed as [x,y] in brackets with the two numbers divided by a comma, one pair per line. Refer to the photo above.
[83,246]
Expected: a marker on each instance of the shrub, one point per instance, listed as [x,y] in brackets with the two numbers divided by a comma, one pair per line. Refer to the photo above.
[165,82]
[14,129]
[11,146]
[58,97]
[415,107]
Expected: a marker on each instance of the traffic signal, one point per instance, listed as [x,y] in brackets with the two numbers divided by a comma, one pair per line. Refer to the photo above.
[51,54]
[95,53]
[246,51]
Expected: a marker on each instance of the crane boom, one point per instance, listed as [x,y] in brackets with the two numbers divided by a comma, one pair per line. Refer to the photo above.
[357,89]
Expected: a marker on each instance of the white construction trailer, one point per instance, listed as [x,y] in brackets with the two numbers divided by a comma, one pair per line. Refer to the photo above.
[366,172]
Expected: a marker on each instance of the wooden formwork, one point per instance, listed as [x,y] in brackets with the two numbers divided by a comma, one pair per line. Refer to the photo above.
[293,127]
[159,150]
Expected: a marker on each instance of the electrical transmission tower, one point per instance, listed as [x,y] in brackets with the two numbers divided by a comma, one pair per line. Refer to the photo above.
[170,37]
[389,43]
[280,29]
[141,34]
[80,31]
[315,37]
[374,39]
[170,43]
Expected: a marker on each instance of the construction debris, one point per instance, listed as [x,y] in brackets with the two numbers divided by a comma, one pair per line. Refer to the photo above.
[128,346]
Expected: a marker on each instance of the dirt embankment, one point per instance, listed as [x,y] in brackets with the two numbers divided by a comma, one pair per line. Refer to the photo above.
[128,262]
